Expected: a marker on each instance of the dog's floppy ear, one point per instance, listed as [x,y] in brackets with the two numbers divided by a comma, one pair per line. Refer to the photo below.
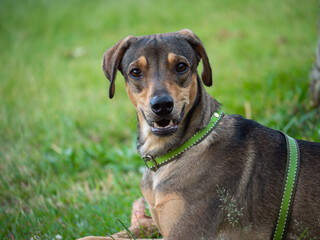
[198,46]
[111,61]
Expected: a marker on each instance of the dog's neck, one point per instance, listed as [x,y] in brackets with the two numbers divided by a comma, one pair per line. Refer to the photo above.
[194,120]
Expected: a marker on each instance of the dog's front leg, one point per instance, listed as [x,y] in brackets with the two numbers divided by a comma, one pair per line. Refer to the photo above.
[177,219]
[165,210]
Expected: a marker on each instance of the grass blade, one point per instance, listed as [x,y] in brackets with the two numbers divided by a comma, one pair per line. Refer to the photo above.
[127,229]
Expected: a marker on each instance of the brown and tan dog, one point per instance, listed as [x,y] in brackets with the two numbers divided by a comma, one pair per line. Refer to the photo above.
[229,185]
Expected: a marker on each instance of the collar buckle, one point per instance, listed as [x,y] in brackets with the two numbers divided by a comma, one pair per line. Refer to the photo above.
[150,161]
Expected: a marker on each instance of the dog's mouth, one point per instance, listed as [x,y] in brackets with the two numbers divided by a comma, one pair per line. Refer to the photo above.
[165,127]
[164,124]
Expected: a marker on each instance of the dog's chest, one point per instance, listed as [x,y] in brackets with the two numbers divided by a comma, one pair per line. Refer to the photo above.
[165,189]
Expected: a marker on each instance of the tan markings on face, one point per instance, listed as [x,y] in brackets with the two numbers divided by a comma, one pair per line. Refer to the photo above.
[193,89]
[141,102]
[172,58]
[138,98]
[142,62]
[183,95]
[135,97]
[131,95]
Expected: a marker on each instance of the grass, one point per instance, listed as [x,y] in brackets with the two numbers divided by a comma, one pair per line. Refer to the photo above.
[68,163]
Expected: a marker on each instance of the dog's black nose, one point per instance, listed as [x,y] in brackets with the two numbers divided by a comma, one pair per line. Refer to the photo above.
[162,105]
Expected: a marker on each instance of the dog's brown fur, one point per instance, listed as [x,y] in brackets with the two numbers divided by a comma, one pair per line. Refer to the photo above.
[230,184]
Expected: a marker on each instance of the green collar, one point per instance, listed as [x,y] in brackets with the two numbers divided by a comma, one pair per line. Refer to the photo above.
[154,163]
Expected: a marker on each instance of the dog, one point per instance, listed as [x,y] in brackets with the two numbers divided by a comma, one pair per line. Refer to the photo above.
[228,184]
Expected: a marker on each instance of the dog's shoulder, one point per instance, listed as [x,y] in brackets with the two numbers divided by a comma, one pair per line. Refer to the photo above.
[245,131]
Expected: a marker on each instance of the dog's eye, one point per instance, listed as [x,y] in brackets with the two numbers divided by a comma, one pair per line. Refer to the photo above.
[136,73]
[181,67]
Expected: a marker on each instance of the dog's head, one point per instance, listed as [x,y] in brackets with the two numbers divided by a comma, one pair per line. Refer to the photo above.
[161,76]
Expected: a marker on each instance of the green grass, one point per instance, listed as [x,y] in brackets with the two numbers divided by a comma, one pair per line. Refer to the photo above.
[68,163]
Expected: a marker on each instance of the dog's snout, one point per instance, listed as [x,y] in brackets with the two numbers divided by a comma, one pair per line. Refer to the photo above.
[162,105]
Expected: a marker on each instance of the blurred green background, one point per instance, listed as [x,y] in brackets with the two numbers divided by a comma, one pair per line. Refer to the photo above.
[68,159]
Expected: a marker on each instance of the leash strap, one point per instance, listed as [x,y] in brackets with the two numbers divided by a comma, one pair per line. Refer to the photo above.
[289,187]
[155,163]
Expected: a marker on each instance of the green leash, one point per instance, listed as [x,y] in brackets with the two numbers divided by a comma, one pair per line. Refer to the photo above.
[290,183]
[154,163]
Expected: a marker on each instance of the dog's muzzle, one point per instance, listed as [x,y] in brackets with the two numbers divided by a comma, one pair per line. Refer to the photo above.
[164,124]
